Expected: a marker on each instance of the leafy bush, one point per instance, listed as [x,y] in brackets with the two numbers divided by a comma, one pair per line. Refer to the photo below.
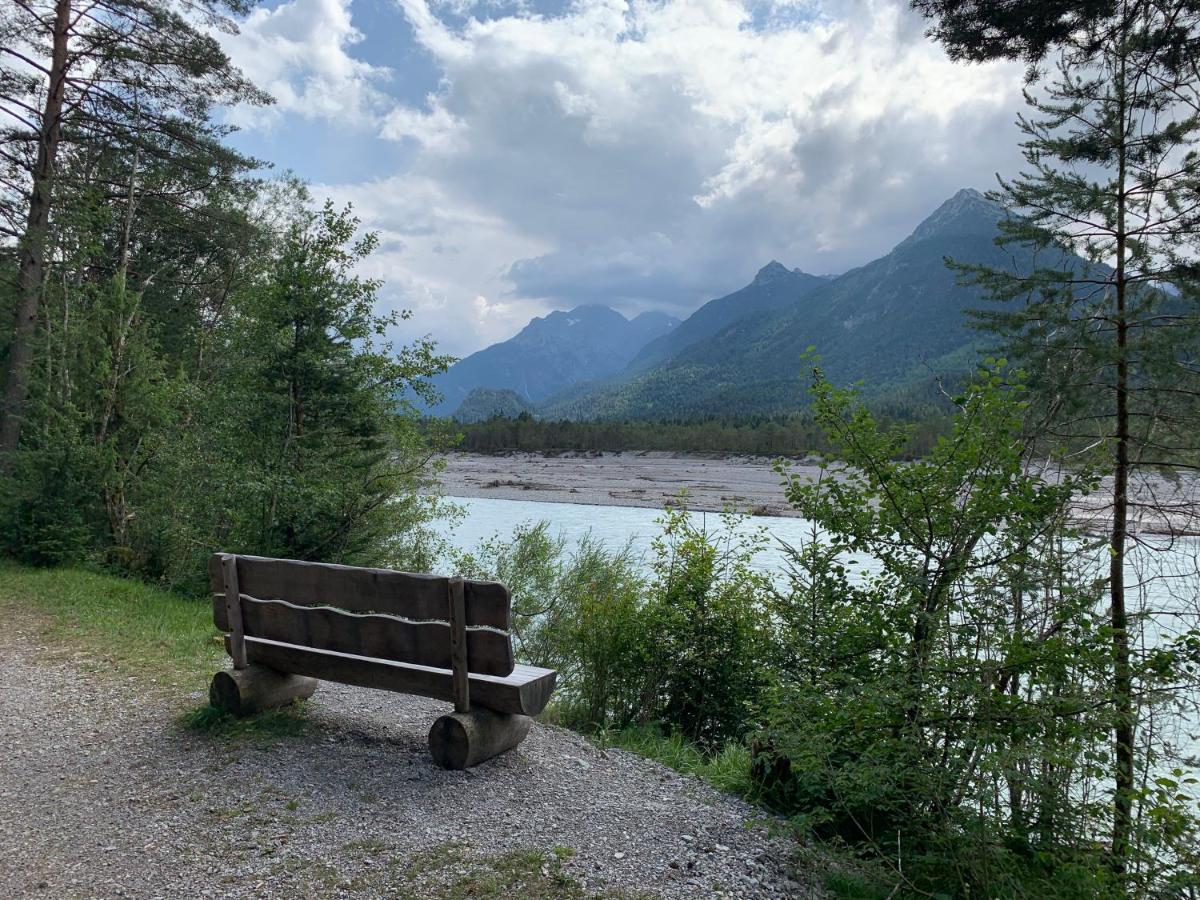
[939,706]
[581,612]
[47,515]
[708,620]
[684,647]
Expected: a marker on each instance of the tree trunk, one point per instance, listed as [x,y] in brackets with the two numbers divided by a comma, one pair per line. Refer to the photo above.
[32,251]
[1123,721]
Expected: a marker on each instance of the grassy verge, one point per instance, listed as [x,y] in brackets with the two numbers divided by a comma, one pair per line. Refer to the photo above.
[138,629]
[161,637]
[728,770]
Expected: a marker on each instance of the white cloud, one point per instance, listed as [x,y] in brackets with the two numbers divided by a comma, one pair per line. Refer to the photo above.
[441,258]
[657,152]
[435,130]
[300,52]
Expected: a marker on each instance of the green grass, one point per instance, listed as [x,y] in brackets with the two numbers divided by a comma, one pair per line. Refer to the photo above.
[267,726]
[728,770]
[851,886]
[136,628]
[164,637]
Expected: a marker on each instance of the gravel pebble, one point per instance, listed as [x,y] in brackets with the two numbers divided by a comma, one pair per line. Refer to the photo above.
[103,795]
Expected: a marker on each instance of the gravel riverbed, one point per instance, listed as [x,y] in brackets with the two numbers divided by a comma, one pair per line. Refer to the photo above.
[1161,503]
[104,794]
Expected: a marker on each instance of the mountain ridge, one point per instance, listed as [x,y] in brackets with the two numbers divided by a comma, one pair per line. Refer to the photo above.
[773,286]
[897,321]
[551,353]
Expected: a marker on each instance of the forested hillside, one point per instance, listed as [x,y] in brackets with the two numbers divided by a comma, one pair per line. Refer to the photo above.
[774,287]
[483,404]
[551,353]
[896,323]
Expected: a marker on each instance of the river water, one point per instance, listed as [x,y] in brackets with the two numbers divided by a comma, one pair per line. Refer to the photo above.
[615,526]
[1163,575]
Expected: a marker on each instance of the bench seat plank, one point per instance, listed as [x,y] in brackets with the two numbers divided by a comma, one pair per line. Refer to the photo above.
[376,636]
[361,590]
[525,691]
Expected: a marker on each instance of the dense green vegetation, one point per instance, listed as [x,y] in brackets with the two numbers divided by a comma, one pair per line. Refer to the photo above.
[195,364]
[491,403]
[794,435]
[929,683]
[1112,174]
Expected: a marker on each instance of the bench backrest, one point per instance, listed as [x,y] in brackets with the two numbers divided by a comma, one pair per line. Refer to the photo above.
[379,613]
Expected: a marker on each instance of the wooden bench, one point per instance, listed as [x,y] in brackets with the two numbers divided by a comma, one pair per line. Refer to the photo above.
[289,623]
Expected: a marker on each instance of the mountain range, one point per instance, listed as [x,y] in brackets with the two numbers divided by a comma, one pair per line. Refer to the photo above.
[552,353]
[895,323]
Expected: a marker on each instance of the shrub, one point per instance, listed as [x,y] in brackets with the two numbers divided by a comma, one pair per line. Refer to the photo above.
[684,647]
[939,707]
[708,619]
[581,612]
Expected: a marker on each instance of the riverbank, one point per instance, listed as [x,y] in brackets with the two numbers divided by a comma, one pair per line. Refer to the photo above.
[654,479]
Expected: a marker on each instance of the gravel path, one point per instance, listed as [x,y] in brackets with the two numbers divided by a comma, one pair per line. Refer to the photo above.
[103,795]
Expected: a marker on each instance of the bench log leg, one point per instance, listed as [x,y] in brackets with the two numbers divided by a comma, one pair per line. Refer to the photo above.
[461,740]
[255,688]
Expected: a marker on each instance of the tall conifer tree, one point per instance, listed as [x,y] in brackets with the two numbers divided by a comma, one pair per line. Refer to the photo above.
[1112,346]
[115,73]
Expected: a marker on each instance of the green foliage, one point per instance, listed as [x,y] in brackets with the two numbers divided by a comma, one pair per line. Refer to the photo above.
[1105,321]
[783,435]
[260,418]
[939,699]
[265,727]
[579,611]
[709,626]
[489,403]
[727,769]
[979,30]
[684,648]
[324,444]
[48,511]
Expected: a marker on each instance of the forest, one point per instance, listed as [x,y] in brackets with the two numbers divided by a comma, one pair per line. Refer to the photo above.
[994,709]
[797,435]
[193,362]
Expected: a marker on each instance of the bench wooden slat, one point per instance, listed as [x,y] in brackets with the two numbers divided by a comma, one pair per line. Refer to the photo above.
[385,637]
[525,691]
[359,590]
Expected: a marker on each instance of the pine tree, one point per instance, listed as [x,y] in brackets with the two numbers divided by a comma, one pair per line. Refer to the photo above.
[332,448]
[1112,346]
[980,30]
[134,74]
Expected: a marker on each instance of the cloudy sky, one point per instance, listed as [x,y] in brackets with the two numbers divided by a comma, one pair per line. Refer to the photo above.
[522,157]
